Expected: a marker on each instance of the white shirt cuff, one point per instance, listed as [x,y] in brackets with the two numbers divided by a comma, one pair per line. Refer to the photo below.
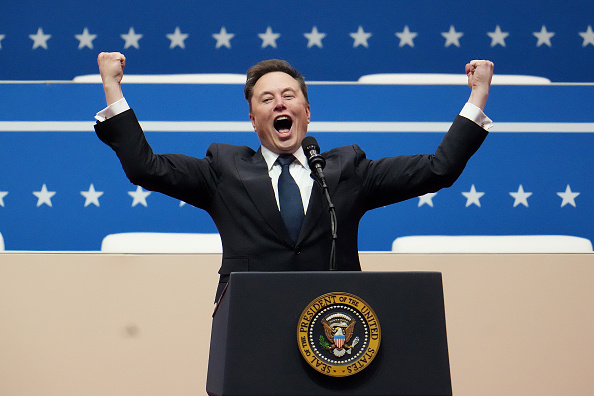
[112,110]
[475,114]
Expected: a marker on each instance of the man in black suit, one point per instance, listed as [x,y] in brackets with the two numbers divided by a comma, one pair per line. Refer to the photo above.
[238,186]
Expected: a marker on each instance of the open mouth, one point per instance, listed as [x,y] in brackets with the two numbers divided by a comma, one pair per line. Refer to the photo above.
[283,124]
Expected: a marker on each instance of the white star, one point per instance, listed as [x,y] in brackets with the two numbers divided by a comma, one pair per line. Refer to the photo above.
[44,196]
[472,197]
[1,38]
[452,37]
[2,195]
[360,38]
[181,203]
[223,38]
[426,199]
[543,36]
[91,196]
[131,38]
[139,196]
[588,36]
[177,38]
[498,37]
[269,38]
[85,39]
[40,39]
[568,196]
[314,38]
[520,197]
[406,37]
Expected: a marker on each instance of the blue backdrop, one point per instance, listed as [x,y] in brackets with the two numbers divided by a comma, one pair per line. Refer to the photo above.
[539,150]
[532,175]
[327,40]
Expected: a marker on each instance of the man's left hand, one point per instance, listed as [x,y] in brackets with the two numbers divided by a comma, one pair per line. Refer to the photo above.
[480,73]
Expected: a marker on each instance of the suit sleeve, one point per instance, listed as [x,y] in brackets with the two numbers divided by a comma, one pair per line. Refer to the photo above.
[394,179]
[189,179]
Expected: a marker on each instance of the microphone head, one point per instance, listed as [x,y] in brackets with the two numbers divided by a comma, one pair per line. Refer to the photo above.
[312,152]
[310,143]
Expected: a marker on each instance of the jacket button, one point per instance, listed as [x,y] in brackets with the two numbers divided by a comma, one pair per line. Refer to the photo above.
[297,250]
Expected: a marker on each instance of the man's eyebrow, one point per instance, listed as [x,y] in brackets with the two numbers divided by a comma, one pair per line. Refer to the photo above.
[291,89]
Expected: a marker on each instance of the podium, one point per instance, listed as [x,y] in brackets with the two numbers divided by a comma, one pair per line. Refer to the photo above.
[254,341]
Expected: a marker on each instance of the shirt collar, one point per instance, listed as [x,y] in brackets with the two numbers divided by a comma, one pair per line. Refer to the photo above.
[270,157]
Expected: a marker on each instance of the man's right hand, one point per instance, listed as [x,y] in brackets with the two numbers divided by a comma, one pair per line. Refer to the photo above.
[111,68]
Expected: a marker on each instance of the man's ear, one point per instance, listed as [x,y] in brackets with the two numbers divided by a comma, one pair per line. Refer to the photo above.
[253,121]
[308,111]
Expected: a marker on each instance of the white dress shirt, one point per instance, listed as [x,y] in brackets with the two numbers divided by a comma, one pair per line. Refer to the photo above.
[299,169]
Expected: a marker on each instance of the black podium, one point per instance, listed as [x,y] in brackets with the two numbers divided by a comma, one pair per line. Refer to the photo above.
[254,344]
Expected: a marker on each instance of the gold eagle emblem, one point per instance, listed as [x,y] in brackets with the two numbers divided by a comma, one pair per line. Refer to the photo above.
[339,330]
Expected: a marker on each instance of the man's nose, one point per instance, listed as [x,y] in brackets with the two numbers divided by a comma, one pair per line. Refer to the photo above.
[279,103]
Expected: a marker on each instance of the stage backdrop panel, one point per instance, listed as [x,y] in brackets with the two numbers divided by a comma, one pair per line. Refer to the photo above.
[97,324]
[63,189]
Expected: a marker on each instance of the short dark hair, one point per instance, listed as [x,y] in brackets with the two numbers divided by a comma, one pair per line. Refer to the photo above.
[268,66]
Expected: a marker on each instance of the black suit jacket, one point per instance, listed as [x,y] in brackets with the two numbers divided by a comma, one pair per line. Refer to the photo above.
[232,184]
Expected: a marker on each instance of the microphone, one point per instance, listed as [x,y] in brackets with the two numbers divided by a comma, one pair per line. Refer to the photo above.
[317,162]
[314,159]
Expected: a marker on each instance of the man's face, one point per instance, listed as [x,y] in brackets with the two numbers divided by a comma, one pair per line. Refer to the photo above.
[280,113]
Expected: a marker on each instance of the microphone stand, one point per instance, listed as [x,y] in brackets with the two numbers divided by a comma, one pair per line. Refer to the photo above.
[318,176]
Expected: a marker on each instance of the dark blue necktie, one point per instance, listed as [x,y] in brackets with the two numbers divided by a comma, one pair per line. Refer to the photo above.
[289,197]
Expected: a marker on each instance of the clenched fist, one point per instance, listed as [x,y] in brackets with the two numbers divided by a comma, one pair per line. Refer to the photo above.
[480,73]
[111,68]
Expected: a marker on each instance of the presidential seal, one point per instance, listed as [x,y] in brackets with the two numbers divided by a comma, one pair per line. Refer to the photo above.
[338,334]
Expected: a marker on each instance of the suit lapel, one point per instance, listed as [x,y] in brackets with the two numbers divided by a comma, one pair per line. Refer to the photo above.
[253,172]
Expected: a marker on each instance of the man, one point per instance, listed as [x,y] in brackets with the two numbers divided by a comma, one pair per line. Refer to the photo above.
[241,189]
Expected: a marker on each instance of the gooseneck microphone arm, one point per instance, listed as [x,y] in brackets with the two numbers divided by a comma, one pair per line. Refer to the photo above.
[316,164]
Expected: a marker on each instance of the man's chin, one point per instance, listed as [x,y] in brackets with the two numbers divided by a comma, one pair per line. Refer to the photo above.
[287,147]
[286,140]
